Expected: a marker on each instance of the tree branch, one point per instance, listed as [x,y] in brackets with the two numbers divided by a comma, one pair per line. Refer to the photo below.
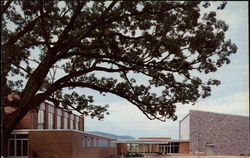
[127,37]
[136,102]
[19,67]
[5,7]
[70,24]
[63,101]
[110,6]
[117,58]
[45,33]
[18,35]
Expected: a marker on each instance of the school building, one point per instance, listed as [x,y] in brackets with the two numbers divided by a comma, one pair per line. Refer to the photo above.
[200,133]
[55,133]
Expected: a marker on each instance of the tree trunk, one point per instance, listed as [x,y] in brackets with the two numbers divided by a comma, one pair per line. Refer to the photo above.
[11,120]
[9,123]
[29,100]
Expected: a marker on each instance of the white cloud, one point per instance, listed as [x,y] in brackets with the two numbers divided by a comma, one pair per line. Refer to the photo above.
[126,119]
[237,104]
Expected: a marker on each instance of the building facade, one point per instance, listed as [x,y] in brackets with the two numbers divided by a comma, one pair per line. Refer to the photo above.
[153,145]
[49,117]
[54,132]
[51,132]
[200,133]
[216,134]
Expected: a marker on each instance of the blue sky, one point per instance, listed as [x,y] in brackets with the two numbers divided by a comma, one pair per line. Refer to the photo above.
[231,97]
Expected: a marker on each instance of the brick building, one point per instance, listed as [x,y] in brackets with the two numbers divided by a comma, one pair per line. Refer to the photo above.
[200,133]
[216,134]
[54,132]
[156,145]
[51,132]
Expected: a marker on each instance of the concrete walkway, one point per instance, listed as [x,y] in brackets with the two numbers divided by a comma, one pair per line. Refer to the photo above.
[189,156]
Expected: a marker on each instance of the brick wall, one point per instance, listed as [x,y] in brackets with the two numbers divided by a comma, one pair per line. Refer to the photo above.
[122,148]
[51,144]
[219,133]
[65,144]
[90,152]
[46,116]
[184,148]
[26,122]
[35,120]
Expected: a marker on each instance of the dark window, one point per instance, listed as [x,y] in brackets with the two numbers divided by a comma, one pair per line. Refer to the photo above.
[25,147]
[175,149]
[18,148]
[22,136]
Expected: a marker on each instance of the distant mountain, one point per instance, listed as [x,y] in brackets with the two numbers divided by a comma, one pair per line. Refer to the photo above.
[110,135]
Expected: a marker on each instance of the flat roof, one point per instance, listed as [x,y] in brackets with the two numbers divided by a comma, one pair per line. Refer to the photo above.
[25,131]
[218,113]
[149,141]
[154,138]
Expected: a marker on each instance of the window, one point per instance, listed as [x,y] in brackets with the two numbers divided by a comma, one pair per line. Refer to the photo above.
[59,118]
[51,117]
[71,124]
[18,148]
[41,119]
[77,122]
[95,142]
[103,143]
[83,141]
[59,122]
[25,147]
[77,125]
[88,141]
[65,123]
[18,145]
[65,120]
[51,121]
[113,144]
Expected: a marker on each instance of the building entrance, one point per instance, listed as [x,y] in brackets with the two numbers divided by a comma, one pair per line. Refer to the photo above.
[18,146]
[170,147]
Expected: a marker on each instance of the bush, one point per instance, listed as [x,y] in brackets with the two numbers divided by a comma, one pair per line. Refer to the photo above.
[132,154]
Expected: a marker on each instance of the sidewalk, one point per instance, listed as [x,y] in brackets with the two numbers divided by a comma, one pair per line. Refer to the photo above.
[192,156]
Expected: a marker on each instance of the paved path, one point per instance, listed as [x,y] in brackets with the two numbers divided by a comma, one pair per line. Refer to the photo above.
[188,156]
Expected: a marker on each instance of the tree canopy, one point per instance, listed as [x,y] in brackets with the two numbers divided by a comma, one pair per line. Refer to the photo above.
[51,47]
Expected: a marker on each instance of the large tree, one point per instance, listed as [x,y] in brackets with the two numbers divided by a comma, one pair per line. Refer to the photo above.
[49,48]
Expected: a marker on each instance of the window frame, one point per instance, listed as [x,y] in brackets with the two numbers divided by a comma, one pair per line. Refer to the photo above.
[15,139]
[58,122]
[41,119]
[50,121]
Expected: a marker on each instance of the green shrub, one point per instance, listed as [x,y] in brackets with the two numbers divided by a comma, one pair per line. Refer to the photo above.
[134,154]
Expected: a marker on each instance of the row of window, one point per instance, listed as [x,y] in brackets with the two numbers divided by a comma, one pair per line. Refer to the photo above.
[96,142]
[73,122]
[18,145]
